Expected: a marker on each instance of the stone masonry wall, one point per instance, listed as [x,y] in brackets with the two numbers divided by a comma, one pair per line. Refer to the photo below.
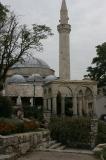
[19,144]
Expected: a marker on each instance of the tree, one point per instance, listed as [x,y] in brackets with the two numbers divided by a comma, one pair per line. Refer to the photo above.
[98,70]
[16,41]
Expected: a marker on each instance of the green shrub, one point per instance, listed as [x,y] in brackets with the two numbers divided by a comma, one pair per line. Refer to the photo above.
[33,112]
[101,136]
[73,132]
[104,153]
[7,127]
[12,126]
[5,107]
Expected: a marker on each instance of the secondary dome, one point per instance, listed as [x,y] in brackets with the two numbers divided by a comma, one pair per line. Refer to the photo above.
[35,78]
[31,63]
[16,79]
[50,78]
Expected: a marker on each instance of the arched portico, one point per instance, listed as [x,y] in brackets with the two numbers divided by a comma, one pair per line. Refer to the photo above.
[71,98]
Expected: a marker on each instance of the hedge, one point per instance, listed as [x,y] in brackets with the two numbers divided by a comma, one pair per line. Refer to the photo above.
[12,126]
[101,136]
[72,132]
[5,107]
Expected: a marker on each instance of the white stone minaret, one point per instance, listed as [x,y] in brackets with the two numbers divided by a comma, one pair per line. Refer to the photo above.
[64,43]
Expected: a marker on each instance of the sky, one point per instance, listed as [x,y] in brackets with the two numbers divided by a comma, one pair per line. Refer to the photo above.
[88,22]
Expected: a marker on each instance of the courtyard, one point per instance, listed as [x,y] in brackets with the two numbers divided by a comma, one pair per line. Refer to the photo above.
[56,156]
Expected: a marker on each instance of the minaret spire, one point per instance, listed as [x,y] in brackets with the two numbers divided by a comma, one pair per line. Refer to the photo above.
[64,43]
[64,13]
[63,6]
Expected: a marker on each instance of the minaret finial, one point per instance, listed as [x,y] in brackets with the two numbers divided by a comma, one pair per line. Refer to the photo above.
[64,13]
[63,7]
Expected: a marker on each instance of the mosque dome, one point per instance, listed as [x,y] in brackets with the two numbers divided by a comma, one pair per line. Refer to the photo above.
[50,78]
[16,79]
[35,78]
[31,62]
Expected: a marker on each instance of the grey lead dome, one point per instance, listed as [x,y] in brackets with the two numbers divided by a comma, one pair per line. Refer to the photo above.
[31,62]
[35,78]
[50,78]
[16,79]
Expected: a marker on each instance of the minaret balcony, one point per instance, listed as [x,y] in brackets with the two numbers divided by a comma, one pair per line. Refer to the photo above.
[64,28]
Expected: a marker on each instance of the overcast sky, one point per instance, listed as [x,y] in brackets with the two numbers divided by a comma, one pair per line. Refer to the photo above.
[88,21]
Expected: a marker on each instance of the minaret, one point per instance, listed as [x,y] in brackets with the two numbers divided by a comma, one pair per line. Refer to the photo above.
[64,43]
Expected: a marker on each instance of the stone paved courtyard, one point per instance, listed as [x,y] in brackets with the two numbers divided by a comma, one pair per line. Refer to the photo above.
[56,156]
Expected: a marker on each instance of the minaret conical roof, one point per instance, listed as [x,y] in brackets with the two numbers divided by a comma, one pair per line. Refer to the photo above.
[64,13]
[63,6]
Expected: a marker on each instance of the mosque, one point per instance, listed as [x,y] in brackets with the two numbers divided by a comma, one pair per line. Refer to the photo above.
[33,82]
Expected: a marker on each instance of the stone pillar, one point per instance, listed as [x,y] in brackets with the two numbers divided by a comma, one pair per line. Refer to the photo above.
[94,131]
[94,105]
[87,107]
[63,106]
[75,105]
[49,104]
[80,106]
[84,105]
[19,102]
[31,102]
[54,100]
[44,105]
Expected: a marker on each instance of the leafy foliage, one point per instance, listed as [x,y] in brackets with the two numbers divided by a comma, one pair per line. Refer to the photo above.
[101,137]
[98,71]
[34,112]
[12,126]
[72,132]
[5,107]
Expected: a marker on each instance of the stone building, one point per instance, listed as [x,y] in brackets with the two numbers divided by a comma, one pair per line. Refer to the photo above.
[34,83]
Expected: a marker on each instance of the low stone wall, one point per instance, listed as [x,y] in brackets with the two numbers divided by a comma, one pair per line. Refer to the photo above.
[22,143]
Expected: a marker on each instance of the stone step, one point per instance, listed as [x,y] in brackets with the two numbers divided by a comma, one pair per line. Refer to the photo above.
[50,143]
[55,146]
[61,147]
[8,157]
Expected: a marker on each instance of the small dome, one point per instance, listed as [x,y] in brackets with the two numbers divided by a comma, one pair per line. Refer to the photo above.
[16,79]
[35,78]
[50,78]
[31,62]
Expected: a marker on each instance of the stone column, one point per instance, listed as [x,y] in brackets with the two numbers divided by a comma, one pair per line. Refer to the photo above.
[19,102]
[87,111]
[75,105]
[63,106]
[31,102]
[80,106]
[94,131]
[44,105]
[49,104]
[84,105]
[94,105]
[54,100]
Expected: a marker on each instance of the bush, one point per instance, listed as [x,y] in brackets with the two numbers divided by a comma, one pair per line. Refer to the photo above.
[101,137]
[104,153]
[5,107]
[7,127]
[12,126]
[30,125]
[72,132]
[34,112]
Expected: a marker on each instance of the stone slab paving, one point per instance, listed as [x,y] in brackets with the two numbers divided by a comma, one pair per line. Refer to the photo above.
[40,155]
